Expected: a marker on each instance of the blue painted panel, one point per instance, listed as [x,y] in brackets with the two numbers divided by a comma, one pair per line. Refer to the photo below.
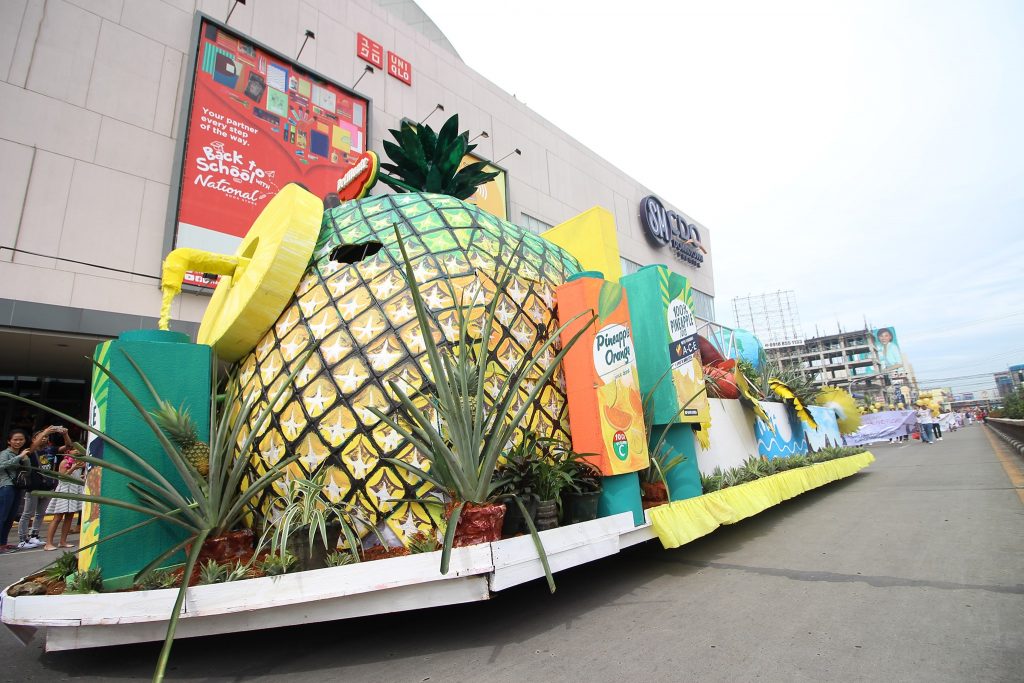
[788,437]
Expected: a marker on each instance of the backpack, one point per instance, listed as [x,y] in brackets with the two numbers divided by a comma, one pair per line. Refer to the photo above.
[31,479]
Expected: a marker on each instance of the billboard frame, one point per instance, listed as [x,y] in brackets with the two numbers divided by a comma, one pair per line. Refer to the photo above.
[188,94]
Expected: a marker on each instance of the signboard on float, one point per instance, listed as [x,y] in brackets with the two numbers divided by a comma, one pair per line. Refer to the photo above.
[253,121]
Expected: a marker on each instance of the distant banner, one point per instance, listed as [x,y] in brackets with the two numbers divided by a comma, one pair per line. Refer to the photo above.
[882,426]
[255,122]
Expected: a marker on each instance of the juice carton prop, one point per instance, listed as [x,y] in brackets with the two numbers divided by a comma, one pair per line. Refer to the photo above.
[668,359]
[603,390]
[180,372]
[670,367]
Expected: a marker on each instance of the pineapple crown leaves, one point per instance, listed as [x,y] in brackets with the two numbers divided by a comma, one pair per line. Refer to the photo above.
[177,422]
[424,161]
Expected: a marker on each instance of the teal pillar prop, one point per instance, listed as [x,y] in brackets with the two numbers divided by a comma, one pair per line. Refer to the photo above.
[621,493]
[683,480]
[648,315]
[180,372]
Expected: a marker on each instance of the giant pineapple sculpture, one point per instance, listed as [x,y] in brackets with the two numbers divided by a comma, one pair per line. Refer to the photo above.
[354,307]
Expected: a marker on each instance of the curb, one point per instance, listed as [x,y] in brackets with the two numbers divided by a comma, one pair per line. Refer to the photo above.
[1017,444]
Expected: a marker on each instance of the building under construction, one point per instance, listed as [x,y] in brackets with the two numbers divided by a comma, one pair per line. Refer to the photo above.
[866,362]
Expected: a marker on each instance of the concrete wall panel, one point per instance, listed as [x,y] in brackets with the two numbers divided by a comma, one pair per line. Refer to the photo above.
[14,178]
[126,76]
[64,51]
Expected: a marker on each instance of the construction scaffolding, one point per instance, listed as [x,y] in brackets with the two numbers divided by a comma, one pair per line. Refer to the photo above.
[773,317]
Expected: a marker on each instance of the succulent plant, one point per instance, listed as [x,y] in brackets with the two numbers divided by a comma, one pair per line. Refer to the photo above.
[339,559]
[63,567]
[212,572]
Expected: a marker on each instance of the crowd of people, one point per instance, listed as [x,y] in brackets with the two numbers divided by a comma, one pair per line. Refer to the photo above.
[928,427]
[28,469]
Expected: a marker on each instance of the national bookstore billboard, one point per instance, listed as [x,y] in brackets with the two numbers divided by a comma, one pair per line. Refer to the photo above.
[255,121]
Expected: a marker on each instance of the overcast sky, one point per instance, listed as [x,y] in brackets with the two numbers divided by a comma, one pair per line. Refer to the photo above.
[869,155]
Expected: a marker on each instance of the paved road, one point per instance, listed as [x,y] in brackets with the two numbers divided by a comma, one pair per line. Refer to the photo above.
[910,571]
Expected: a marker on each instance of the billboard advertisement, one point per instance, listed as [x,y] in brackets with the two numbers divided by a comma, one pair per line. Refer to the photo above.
[255,121]
[887,347]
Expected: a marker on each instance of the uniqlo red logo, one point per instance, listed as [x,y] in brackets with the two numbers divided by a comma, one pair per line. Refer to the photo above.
[370,51]
[399,68]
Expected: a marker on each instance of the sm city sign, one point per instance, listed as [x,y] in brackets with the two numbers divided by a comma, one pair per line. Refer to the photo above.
[668,228]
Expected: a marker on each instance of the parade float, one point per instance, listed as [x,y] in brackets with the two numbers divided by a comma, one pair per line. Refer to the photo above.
[413,390]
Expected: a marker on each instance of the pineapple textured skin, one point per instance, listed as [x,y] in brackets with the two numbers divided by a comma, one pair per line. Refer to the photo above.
[360,312]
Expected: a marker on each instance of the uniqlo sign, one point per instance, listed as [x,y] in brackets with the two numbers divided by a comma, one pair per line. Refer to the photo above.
[370,51]
[399,68]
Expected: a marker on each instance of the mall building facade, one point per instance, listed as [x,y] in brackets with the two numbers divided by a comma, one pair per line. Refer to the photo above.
[91,138]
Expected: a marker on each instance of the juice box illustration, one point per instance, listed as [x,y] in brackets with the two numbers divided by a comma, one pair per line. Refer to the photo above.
[665,329]
[602,386]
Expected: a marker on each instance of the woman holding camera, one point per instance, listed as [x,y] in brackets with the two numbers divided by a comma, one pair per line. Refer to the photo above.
[44,456]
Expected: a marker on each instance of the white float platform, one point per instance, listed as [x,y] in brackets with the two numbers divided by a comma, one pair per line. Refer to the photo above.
[382,586]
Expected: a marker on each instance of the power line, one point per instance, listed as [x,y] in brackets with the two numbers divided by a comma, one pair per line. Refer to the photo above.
[81,263]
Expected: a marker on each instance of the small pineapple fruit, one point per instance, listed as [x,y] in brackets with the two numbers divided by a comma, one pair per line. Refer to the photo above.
[178,424]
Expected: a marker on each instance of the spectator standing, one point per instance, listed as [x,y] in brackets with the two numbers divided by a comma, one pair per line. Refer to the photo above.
[44,456]
[11,459]
[64,510]
[924,418]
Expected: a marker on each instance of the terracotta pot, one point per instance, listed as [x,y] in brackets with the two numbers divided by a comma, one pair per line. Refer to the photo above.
[653,494]
[547,515]
[479,524]
[234,545]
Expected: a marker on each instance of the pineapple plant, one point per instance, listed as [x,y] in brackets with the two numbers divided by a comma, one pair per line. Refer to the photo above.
[177,423]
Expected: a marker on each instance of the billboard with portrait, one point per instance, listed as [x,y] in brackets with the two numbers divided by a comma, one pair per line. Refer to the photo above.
[254,121]
[887,347]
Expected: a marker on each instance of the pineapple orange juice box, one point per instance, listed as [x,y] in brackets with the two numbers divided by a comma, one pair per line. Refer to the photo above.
[602,385]
[687,368]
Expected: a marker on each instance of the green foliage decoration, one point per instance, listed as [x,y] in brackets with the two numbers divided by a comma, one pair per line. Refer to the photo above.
[424,161]
[65,565]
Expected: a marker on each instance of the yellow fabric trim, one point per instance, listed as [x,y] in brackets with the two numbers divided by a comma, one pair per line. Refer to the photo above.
[683,521]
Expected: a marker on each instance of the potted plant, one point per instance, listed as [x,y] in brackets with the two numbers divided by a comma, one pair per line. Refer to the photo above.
[472,423]
[551,475]
[307,526]
[516,475]
[580,499]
